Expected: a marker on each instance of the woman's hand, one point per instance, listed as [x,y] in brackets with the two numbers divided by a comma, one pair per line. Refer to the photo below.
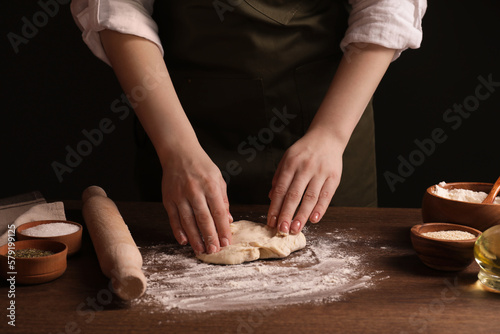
[308,174]
[194,192]
[310,169]
[195,197]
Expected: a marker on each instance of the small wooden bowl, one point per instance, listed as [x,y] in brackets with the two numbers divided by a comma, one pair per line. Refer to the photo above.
[72,240]
[34,270]
[442,254]
[477,215]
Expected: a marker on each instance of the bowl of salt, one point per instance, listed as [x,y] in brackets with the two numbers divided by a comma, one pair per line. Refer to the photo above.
[444,246]
[67,232]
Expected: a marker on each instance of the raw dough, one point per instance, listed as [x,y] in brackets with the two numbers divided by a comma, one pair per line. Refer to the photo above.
[253,241]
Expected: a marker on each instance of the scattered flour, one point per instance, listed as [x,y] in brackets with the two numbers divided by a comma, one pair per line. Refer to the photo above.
[463,195]
[323,271]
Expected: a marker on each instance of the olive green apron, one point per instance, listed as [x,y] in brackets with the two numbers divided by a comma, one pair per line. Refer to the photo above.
[250,76]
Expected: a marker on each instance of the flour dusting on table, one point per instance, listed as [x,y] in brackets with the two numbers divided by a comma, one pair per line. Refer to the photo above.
[324,271]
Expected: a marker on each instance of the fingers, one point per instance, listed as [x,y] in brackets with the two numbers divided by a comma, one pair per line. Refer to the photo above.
[280,184]
[302,189]
[195,197]
[325,197]
[218,205]
[309,202]
[189,220]
[202,220]
[175,223]
[301,201]
[223,225]
[290,202]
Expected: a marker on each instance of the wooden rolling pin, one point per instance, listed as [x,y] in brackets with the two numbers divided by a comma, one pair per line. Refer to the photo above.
[118,256]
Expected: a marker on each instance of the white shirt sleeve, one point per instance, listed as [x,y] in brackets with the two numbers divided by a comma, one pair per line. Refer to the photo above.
[125,16]
[394,24]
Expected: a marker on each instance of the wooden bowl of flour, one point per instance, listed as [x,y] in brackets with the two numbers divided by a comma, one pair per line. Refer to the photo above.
[477,215]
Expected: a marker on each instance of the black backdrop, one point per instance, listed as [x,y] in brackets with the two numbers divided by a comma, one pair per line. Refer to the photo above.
[55,93]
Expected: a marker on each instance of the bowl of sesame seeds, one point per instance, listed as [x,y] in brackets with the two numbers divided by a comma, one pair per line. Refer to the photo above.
[33,261]
[444,246]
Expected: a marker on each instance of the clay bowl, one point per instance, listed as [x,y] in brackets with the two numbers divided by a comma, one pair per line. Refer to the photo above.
[34,270]
[477,215]
[442,254]
[72,240]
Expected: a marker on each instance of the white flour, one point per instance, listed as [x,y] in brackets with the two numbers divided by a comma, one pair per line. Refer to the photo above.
[323,271]
[462,195]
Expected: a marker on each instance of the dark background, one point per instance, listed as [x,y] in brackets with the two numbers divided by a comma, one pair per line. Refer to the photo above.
[53,88]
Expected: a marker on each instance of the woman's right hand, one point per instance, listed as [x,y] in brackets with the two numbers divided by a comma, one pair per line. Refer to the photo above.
[195,197]
[194,192]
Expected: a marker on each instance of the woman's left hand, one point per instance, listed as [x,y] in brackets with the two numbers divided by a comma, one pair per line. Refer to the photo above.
[308,175]
[309,172]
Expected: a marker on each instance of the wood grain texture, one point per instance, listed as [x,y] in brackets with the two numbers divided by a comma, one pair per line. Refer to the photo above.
[411,299]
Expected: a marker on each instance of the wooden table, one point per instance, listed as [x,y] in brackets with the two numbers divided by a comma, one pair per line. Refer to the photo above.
[412,299]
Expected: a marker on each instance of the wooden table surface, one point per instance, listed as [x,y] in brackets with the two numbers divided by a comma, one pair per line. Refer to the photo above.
[411,299]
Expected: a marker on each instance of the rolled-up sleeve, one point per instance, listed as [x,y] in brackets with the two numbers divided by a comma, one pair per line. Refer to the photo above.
[125,16]
[395,24]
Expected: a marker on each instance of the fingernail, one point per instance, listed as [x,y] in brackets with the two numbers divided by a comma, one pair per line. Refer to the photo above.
[183,239]
[295,227]
[284,228]
[272,221]
[231,219]
[211,249]
[315,218]
[224,242]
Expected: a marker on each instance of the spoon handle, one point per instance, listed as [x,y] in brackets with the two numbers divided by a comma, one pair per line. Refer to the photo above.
[493,193]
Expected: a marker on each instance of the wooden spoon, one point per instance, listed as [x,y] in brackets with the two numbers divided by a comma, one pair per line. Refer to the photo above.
[493,193]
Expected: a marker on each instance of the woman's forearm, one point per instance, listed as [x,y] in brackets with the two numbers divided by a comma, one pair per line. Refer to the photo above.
[193,190]
[141,71]
[309,172]
[354,83]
